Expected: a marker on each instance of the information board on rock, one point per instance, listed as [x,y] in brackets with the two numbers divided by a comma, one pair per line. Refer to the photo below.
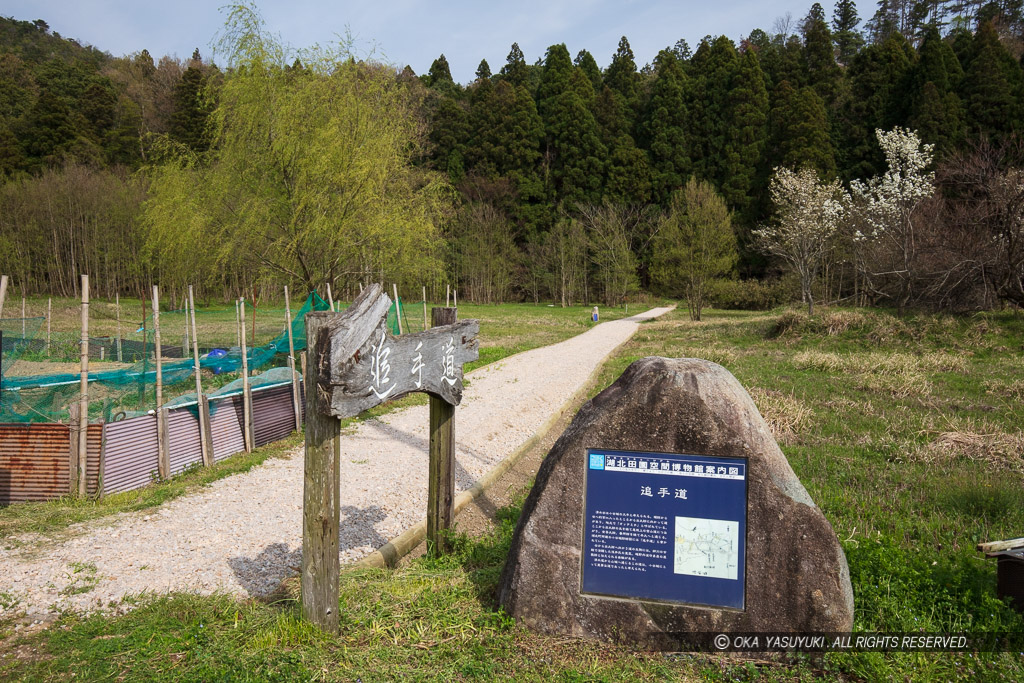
[665,527]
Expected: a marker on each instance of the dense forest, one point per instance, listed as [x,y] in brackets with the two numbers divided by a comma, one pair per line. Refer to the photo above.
[551,180]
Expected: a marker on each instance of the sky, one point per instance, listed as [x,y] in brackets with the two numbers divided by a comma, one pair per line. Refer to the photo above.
[415,32]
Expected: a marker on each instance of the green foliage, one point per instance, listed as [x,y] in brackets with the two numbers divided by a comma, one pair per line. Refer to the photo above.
[992,87]
[848,40]
[188,124]
[439,72]
[575,151]
[665,127]
[695,244]
[515,71]
[800,131]
[588,65]
[750,295]
[311,176]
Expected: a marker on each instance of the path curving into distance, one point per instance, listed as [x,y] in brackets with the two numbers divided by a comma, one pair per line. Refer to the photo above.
[243,534]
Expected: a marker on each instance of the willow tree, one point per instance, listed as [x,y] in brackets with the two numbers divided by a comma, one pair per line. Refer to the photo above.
[309,177]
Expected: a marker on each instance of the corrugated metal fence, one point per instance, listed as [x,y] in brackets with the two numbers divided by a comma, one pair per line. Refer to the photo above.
[35,458]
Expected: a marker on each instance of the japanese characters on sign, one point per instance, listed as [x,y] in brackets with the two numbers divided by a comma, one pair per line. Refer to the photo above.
[665,527]
[361,364]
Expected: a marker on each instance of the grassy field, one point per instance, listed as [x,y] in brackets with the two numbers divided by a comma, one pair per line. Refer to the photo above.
[906,432]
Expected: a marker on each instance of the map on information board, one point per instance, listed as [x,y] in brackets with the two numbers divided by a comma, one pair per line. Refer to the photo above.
[707,547]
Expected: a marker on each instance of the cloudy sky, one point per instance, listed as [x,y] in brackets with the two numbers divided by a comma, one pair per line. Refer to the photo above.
[415,32]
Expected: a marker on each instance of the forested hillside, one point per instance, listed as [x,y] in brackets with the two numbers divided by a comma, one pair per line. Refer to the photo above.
[545,178]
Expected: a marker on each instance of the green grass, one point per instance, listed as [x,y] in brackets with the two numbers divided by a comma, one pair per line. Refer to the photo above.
[52,518]
[902,430]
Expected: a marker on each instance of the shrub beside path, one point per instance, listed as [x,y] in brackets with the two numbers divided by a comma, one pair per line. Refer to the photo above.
[243,534]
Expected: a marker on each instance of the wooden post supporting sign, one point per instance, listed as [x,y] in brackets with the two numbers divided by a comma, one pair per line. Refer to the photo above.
[440,483]
[355,363]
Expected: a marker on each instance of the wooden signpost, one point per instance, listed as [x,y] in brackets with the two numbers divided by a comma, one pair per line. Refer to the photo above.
[355,364]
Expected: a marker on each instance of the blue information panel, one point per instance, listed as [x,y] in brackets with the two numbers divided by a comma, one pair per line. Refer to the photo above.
[665,527]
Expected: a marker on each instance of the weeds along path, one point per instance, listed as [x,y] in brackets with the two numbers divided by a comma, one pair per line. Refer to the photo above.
[243,534]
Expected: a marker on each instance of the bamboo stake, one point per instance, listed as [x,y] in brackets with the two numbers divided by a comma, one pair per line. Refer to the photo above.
[117,299]
[22,315]
[330,298]
[246,406]
[163,457]
[291,360]
[448,297]
[238,332]
[455,298]
[398,308]
[49,316]
[204,431]
[83,389]
[424,309]
[3,293]
[185,348]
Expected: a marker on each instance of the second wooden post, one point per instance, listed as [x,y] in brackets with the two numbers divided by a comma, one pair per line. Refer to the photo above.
[440,491]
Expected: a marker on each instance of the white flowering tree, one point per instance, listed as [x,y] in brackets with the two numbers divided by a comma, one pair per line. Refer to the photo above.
[807,215]
[887,205]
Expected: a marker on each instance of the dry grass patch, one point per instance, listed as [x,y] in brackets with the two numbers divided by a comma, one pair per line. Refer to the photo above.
[839,321]
[786,416]
[998,449]
[898,374]
[1012,390]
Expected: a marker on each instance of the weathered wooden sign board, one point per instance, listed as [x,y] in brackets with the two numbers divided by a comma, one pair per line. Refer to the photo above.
[360,364]
[356,364]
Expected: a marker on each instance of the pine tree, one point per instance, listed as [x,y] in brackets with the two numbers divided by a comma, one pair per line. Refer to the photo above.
[992,87]
[934,109]
[191,109]
[483,71]
[847,38]
[822,71]
[439,72]
[665,127]
[506,133]
[514,70]
[748,132]
[588,65]
[449,133]
[876,77]
[800,131]
[574,154]
[681,50]
[621,75]
[711,73]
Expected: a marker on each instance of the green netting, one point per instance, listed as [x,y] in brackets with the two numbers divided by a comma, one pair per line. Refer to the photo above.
[40,369]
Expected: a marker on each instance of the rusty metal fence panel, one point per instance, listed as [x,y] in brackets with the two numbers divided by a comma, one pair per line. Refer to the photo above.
[273,414]
[131,458]
[34,461]
[226,427]
[183,443]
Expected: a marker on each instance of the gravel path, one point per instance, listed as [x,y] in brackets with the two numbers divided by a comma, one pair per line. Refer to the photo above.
[243,534]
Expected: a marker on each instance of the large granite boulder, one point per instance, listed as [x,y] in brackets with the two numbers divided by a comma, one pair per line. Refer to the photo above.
[797,578]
